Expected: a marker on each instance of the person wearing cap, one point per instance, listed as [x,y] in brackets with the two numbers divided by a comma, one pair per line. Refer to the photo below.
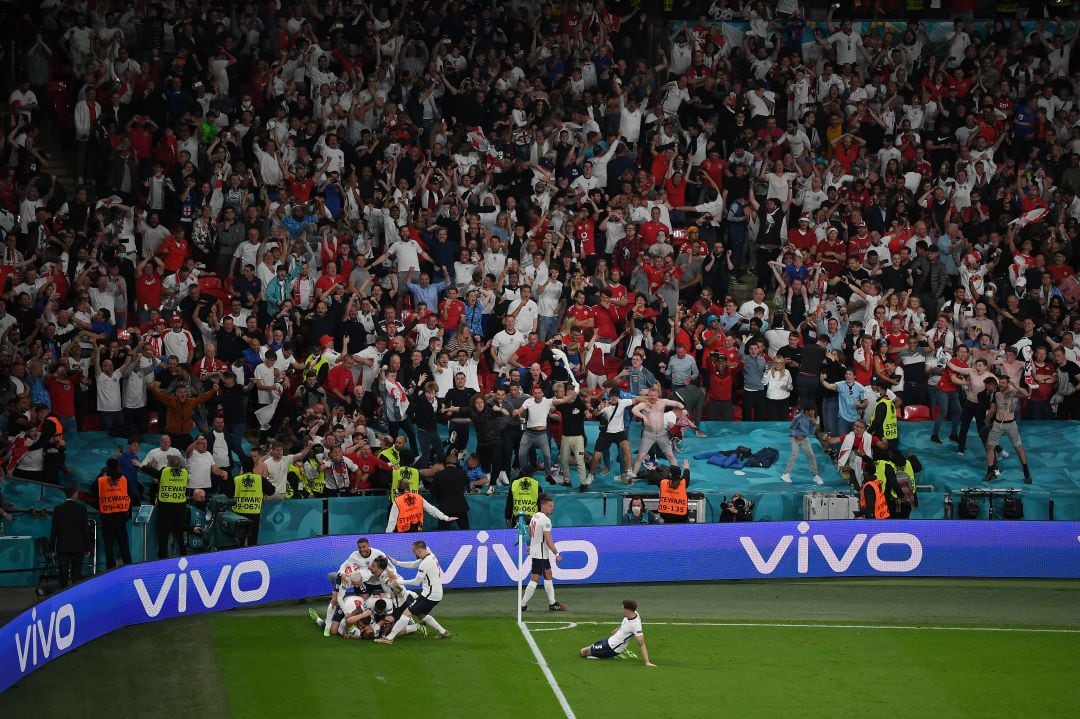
[884,421]
[1001,420]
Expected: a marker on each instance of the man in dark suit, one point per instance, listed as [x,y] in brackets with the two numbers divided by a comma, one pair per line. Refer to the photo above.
[880,217]
[70,537]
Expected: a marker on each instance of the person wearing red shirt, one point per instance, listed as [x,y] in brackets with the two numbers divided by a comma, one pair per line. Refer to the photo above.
[529,353]
[208,364]
[148,287]
[718,395]
[846,150]
[141,133]
[451,312]
[173,252]
[714,167]
[676,189]
[339,382]
[299,185]
[579,314]
[329,278]
[860,242]
[585,233]
[61,386]
[605,317]
[367,465]
[649,230]
[896,337]
[801,236]
[948,397]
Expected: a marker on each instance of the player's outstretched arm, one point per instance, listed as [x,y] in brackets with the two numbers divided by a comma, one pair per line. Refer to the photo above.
[644,650]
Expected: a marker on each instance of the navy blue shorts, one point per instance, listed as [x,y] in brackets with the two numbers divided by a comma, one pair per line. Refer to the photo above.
[602,650]
[539,566]
[400,609]
[422,606]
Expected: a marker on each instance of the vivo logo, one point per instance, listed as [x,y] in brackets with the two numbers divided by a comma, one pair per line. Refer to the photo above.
[207,593]
[509,564]
[39,639]
[842,562]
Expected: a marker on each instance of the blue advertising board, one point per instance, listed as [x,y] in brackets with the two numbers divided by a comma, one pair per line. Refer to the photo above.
[164,589]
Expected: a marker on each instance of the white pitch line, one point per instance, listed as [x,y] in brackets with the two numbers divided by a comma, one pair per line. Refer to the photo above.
[1021,630]
[547,671]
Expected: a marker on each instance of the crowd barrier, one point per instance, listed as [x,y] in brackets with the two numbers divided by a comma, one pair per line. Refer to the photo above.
[165,589]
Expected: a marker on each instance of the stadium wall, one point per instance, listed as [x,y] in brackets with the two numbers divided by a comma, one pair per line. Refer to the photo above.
[165,589]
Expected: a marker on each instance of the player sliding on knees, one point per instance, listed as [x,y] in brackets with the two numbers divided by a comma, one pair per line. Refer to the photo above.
[429,577]
[616,644]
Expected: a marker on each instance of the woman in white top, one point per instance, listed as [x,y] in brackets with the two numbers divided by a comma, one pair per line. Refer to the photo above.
[778,386]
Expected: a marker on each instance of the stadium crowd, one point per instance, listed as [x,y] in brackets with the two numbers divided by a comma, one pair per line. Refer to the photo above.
[329,228]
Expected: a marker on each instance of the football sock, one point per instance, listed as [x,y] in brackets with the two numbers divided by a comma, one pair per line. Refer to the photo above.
[549,590]
[399,626]
[529,589]
[430,621]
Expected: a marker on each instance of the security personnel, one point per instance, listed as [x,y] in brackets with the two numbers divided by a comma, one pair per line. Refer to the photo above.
[897,477]
[522,499]
[248,490]
[674,505]
[172,512]
[309,477]
[872,504]
[407,511]
[884,422]
[114,499]
[410,476]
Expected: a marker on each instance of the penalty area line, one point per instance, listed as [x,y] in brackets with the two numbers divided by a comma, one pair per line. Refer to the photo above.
[885,627]
[569,712]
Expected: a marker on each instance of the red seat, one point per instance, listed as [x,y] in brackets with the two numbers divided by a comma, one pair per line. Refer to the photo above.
[916,413]
[152,422]
[91,423]
[736,413]
[791,412]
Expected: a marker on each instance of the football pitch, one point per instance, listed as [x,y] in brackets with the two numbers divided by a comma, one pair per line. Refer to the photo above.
[808,648]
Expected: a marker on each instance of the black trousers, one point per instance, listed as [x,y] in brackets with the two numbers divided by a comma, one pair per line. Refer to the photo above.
[972,412]
[172,519]
[70,565]
[753,406]
[253,537]
[114,530]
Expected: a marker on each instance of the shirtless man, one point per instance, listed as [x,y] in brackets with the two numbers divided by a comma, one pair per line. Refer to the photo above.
[1001,417]
[654,433]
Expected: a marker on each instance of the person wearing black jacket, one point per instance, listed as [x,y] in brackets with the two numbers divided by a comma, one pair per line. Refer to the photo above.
[448,488]
[573,440]
[70,537]
[423,412]
[456,405]
[490,421]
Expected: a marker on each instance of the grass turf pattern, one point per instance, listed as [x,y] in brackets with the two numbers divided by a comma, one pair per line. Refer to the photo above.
[750,649]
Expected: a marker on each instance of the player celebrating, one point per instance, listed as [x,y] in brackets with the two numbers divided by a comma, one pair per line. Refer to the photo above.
[542,550]
[615,645]
[362,558]
[429,577]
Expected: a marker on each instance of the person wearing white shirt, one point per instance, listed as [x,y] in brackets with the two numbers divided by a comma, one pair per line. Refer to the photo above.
[524,310]
[201,467]
[847,42]
[542,551]
[616,644]
[158,457]
[429,578]
[109,403]
[504,344]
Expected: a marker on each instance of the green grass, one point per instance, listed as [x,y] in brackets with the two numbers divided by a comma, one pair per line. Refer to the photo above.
[273,662]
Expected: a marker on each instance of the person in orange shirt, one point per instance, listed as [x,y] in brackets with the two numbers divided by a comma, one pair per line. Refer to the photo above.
[174,251]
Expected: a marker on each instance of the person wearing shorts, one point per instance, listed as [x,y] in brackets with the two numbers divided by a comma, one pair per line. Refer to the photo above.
[615,645]
[654,432]
[1002,420]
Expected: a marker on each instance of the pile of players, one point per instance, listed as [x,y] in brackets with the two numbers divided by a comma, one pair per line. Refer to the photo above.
[371,601]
